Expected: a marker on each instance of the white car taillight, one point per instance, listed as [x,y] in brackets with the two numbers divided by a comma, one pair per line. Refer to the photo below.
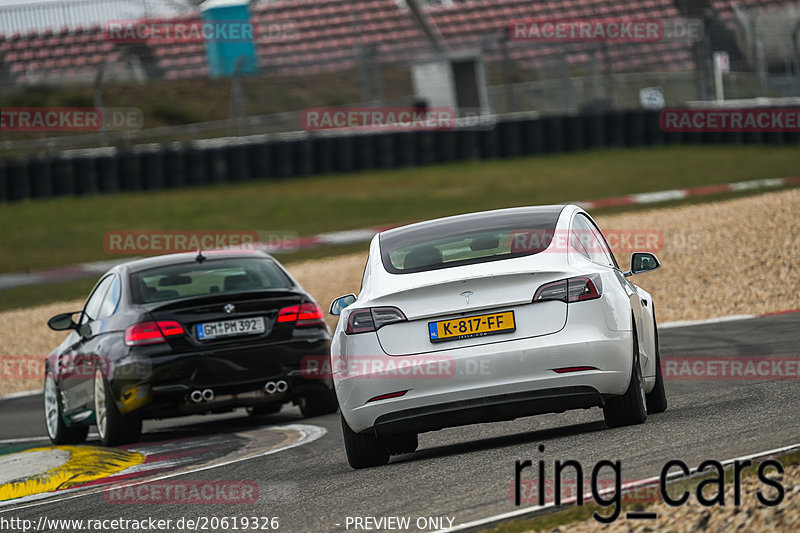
[372,319]
[577,289]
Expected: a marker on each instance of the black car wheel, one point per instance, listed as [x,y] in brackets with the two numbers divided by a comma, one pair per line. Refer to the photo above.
[318,403]
[58,431]
[114,427]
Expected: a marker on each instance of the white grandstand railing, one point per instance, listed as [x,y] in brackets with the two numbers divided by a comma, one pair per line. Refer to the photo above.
[40,16]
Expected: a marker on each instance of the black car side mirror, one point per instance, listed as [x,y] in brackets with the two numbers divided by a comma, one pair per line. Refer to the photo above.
[62,322]
[643,262]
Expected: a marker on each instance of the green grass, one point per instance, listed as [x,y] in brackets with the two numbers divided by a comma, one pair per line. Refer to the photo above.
[66,231]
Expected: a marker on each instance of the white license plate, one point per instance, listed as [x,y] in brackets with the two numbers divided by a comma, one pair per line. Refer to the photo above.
[225,328]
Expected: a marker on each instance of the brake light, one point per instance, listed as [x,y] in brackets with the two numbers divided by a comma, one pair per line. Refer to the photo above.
[568,369]
[372,319]
[308,314]
[577,289]
[387,396]
[152,332]
[360,321]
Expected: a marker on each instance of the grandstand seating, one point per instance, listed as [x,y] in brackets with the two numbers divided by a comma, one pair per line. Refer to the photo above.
[313,36]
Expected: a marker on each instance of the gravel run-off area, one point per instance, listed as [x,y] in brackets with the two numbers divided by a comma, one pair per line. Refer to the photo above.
[724,258]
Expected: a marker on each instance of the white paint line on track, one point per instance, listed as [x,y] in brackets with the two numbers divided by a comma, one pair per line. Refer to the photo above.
[308,434]
[23,394]
[22,440]
[717,320]
[537,509]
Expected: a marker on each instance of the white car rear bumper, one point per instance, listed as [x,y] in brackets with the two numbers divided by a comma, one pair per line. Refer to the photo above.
[497,381]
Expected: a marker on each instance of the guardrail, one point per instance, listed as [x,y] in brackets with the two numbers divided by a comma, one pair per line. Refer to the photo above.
[292,155]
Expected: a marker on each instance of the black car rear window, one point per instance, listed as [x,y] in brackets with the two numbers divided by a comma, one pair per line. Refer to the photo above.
[213,276]
[479,238]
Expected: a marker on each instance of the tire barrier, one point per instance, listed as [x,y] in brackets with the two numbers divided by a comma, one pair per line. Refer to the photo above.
[426,148]
[129,170]
[594,131]
[17,180]
[41,176]
[406,149]
[509,137]
[554,136]
[85,176]
[364,146]
[194,166]
[324,160]
[445,146]
[634,128]
[345,155]
[236,162]
[154,167]
[258,160]
[64,177]
[467,144]
[3,183]
[488,147]
[573,134]
[174,167]
[216,165]
[533,133]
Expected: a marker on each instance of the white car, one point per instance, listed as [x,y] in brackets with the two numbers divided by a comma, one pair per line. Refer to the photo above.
[491,316]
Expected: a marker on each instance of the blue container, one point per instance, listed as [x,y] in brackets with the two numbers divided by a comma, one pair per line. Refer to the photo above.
[229,36]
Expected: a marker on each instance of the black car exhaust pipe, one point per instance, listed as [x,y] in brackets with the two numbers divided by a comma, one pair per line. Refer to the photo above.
[196,396]
[273,387]
[208,395]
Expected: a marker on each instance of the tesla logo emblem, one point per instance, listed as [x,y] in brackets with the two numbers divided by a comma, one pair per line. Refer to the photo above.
[466,295]
[229,308]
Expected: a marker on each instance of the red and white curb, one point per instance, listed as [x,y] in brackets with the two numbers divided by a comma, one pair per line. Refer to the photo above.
[680,194]
[88,270]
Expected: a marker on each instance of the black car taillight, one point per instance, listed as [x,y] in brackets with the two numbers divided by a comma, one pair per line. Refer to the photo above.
[152,332]
[309,314]
[372,319]
[577,289]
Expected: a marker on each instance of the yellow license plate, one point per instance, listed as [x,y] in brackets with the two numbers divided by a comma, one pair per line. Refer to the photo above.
[471,326]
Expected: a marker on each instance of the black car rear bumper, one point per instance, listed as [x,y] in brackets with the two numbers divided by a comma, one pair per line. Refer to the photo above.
[236,377]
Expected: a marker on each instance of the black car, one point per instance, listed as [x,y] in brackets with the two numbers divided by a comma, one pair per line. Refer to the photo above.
[183,334]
